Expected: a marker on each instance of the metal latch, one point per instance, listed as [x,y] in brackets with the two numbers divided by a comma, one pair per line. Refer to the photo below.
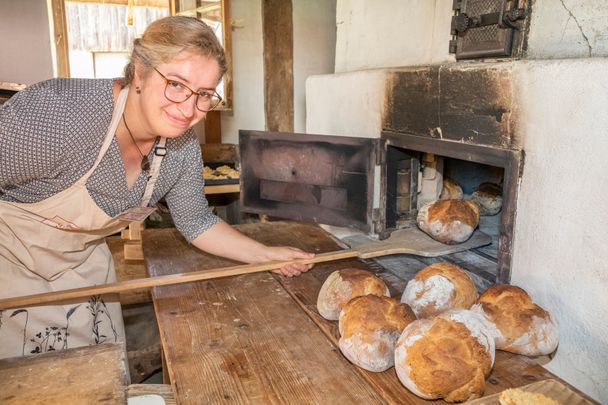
[504,18]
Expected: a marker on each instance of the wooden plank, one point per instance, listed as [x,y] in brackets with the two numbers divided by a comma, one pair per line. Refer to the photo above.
[128,270]
[163,390]
[133,250]
[244,339]
[223,189]
[84,375]
[215,332]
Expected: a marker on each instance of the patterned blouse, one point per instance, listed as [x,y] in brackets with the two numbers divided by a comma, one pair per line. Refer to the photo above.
[51,133]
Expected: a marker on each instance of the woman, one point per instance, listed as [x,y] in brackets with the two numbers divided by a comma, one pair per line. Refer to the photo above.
[77,157]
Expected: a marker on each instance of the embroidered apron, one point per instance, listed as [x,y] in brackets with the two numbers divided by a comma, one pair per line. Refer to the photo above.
[56,244]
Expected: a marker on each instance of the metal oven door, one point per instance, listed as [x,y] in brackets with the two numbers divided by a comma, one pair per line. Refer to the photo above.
[312,178]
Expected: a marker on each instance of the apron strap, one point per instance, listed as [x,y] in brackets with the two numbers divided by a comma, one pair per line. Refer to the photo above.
[159,153]
[116,117]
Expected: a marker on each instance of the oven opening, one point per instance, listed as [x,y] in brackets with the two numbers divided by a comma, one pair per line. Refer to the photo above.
[415,178]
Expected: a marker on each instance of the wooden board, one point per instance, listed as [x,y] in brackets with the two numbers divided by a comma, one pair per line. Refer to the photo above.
[85,375]
[259,337]
[550,388]
[413,241]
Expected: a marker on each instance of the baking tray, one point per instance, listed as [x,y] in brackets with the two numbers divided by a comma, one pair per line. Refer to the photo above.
[220,182]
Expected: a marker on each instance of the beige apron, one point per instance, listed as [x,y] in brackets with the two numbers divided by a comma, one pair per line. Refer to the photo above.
[57,244]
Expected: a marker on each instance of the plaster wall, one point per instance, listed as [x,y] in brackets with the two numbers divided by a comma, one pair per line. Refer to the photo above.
[560,252]
[348,104]
[314,33]
[373,34]
[26,52]
[314,38]
[248,71]
[568,29]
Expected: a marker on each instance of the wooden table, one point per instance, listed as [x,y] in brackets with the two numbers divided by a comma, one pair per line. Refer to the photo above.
[84,375]
[258,338]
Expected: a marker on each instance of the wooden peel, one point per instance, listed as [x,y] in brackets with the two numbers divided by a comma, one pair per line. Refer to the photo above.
[405,242]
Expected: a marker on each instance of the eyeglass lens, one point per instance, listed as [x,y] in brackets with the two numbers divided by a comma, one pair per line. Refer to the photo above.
[178,93]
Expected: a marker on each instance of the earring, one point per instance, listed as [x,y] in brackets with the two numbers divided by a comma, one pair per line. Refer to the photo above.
[138,90]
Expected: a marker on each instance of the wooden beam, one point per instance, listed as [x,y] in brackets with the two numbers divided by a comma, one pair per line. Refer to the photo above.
[60,38]
[277,28]
[136,3]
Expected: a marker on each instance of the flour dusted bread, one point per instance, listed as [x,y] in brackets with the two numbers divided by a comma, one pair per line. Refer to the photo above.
[343,285]
[517,396]
[489,198]
[451,190]
[521,326]
[369,328]
[447,357]
[438,288]
[449,221]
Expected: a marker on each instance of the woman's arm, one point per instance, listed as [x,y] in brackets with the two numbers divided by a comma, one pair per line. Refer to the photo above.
[223,240]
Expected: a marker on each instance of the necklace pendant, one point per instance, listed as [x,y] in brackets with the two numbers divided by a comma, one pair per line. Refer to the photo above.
[145,164]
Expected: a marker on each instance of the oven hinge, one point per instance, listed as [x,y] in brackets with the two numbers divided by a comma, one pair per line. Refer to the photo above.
[504,19]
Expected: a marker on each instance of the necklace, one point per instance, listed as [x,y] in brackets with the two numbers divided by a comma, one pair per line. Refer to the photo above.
[145,163]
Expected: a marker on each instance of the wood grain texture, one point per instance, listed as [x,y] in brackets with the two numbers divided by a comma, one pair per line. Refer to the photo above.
[258,338]
[85,375]
[128,270]
[243,339]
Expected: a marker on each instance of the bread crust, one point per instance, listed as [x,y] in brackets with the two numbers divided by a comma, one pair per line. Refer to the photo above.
[438,288]
[369,327]
[449,221]
[522,327]
[440,358]
[489,198]
[343,285]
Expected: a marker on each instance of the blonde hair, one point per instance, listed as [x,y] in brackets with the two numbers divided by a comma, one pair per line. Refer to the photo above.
[166,38]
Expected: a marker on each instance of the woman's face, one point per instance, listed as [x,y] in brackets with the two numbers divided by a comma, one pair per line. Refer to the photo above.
[162,117]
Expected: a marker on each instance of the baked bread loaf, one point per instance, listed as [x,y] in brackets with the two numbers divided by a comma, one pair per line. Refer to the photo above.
[521,326]
[489,198]
[369,328]
[343,285]
[517,396]
[451,190]
[445,357]
[449,221]
[438,288]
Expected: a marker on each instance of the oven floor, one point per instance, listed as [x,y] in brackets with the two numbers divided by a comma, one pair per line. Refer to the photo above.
[479,263]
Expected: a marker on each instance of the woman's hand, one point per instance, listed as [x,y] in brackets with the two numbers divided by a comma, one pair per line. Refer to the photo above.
[283,253]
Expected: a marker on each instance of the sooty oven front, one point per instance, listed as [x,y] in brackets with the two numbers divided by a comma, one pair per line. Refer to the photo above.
[374,185]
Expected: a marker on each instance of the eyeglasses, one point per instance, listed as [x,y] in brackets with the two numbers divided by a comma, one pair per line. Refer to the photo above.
[177,92]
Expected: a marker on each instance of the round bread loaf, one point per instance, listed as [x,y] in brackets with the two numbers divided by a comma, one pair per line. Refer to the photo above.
[451,190]
[369,328]
[438,288]
[449,221]
[445,357]
[521,326]
[343,285]
[489,198]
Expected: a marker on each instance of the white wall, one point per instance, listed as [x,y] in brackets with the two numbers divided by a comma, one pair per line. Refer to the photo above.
[373,34]
[314,45]
[314,36]
[248,71]
[560,249]
[568,28]
[25,42]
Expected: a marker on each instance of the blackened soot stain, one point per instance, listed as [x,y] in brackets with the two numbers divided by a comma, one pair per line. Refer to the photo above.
[294,172]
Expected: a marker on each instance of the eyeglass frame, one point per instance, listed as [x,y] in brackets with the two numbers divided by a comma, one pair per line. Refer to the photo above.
[198,94]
